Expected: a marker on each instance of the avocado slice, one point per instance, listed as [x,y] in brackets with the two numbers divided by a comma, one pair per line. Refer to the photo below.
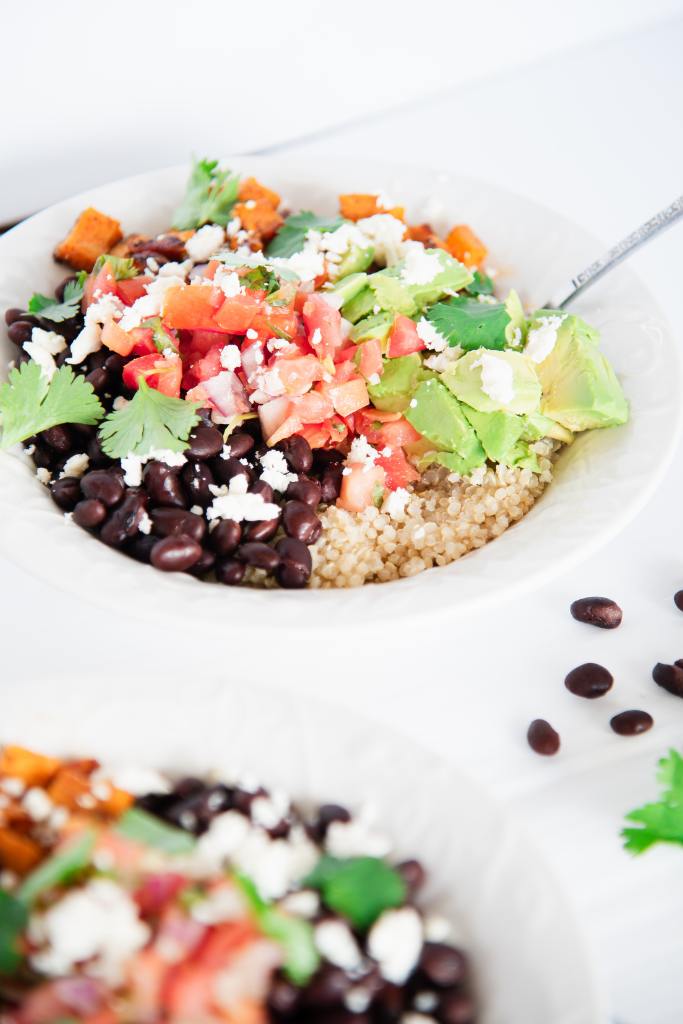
[361,303]
[346,289]
[537,426]
[399,379]
[580,388]
[439,417]
[498,432]
[396,295]
[453,462]
[494,381]
[355,260]
[372,327]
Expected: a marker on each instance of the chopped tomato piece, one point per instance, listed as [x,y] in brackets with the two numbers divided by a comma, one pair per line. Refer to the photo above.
[158,890]
[345,371]
[102,283]
[324,326]
[399,471]
[132,289]
[313,407]
[359,487]
[201,341]
[370,361]
[236,314]
[190,307]
[349,397]
[346,353]
[298,373]
[143,341]
[465,246]
[280,320]
[272,415]
[158,372]
[382,428]
[223,941]
[210,364]
[404,338]
[118,340]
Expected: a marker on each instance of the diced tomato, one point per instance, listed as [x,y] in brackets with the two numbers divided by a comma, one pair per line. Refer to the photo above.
[298,373]
[223,941]
[320,316]
[118,340]
[186,993]
[145,975]
[272,415]
[370,361]
[313,407]
[158,890]
[349,397]
[359,487]
[210,269]
[235,315]
[343,354]
[143,341]
[202,341]
[158,372]
[179,932]
[386,428]
[132,289]
[404,338]
[210,364]
[345,371]
[103,282]
[399,471]
[280,320]
[190,307]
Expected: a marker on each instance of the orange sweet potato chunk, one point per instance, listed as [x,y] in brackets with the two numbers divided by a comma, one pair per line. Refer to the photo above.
[465,246]
[258,217]
[250,188]
[93,234]
[18,852]
[357,205]
[73,788]
[424,233]
[33,769]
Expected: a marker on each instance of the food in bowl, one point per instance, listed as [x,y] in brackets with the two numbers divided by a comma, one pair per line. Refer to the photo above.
[127,897]
[262,398]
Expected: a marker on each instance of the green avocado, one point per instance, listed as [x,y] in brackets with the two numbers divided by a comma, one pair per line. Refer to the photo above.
[399,379]
[580,388]
[355,260]
[361,303]
[372,327]
[498,432]
[395,295]
[346,288]
[454,463]
[537,426]
[439,417]
[467,378]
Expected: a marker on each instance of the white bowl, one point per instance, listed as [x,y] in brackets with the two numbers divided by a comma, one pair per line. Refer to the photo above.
[600,483]
[531,963]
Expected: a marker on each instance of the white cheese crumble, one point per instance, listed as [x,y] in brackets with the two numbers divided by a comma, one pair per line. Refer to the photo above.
[441,361]
[433,339]
[497,378]
[37,804]
[205,242]
[132,464]
[276,471]
[234,502]
[98,923]
[174,269]
[356,838]
[223,904]
[386,234]
[395,503]
[305,903]
[357,999]
[12,786]
[395,942]
[230,357]
[44,475]
[362,453]
[307,265]
[108,307]
[541,339]
[228,282]
[334,941]
[420,266]
[145,524]
[75,465]
[42,347]
[436,928]
[425,1002]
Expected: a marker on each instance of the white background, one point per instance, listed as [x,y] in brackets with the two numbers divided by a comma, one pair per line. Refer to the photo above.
[578,106]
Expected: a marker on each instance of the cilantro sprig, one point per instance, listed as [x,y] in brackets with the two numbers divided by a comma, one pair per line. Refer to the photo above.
[122,267]
[358,888]
[660,822]
[162,338]
[469,323]
[30,403]
[294,934]
[292,235]
[49,309]
[13,921]
[149,421]
[209,197]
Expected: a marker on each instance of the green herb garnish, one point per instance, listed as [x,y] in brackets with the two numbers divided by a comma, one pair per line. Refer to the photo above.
[261,278]
[292,235]
[481,284]
[63,867]
[30,403]
[294,934]
[360,888]
[49,309]
[161,336]
[150,420]
[469,323]
[122,267]
[209,197]
[660,822]
[144,828]
[13,920]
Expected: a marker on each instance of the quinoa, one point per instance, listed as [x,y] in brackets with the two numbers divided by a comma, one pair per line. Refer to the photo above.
[445,518]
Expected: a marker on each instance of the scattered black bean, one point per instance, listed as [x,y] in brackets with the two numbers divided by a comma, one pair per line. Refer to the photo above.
[300,522]
[230,571]
[456,1008]
[678,600]
[59,438]
[13,314]
[597,611]
[260,556]
[66,493]
[90,513]
[225,537]
[98,379]
[198,479]
[443,965]
[263,530]
[264,489]
[170,522]
[589,680]
[176,554]
[295,566]
[239,444]
[669,677]
[20,331]
[330,483]
[164,486]
[542,738]
[327,987]
[413,874]
[327,814]
[204,442]
[96,457]
[205,563]
[631,723]
[140,546]
[308,491]
[225,469]
[298,453]
[124,521]
[104,484]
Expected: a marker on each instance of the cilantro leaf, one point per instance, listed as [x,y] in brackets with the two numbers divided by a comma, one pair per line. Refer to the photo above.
[122,267]
[261,278]
[161,335]
[144,828]
[150,420]
[481,284]
[660,822]
[469,323]
[360,888]
[209,197]
[13,920]
[30,403]
[294,934]
[58,312]
[292,235]
[61,867]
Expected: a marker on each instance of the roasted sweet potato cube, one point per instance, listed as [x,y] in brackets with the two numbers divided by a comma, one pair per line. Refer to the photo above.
[250,188]
[73,788]
[93,233]
[33,769]
[258,217]
[465,246]
[424,233]
[18,853]
[357,205]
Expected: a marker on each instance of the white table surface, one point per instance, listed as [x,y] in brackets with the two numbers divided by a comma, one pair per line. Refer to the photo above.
[595,133]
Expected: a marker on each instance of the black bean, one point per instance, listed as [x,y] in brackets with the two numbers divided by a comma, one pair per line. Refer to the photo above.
[225,537]
[443,965]
[66,492]
[283,997]
[13,314]
[413,874]
[327,987]
[196,809]
[124,521]
[326,815]
[140,546]
[188,785]
[176,554]
[263,530]
[264,489]
[59,438]
[113,363]
[239,444]
[205,563]
[59,290]
[308,491]
[542,737]
[298,453]
[261,556]
[456,1008]
[169,522]
[225,469]
[597,611]
[198,480]
[96,457]
[230,571]
[90,513]
[589,680]
[104,484]
[20,331]
[669,677]
[631,723]
[330,484]
[300,522]
[678,600]
[98,379]
[324,457]
[204,442]
[296,564]
[42,456]
[164,486]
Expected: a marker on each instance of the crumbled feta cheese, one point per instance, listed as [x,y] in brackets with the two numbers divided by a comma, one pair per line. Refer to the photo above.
[133,778]
[42,348]
[44,475]
[385,202]
[428,333]
[233,227]
[223,904]
[230,357]
[362,453]
[75,465]
[228,282]
[174,269]
[205,242]
[395,942]
[132,464]
[440,361]
[541,339]
[151,265]
[356,838]
[425,1002]
[305,903]
[252,335]
[275,865]
[357,999]
[334,941]
[497,378]
[420,266]
[265,812]
[395,503]
[316,337]
[108,307]
[145,524]
[436,928]
[250,204]
[417,1018]
[12,786]
[306,265]
[276,471]
[386,233]
[233,502]
[37,804]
